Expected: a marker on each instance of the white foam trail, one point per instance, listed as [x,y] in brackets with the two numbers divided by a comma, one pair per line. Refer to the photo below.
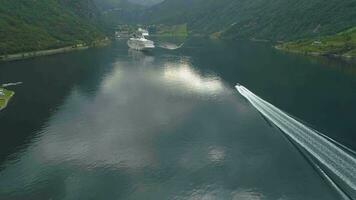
[170,46]
[326,151]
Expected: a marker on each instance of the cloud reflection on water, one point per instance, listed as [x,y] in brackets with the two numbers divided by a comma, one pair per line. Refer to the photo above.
[190,80]
[154,129]
[114,129]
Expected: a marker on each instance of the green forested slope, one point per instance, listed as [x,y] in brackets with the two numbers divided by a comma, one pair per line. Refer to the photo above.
[28,25]
[260,19]
[116,12]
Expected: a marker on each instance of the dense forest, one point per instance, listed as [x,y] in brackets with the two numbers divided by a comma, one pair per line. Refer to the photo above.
[28,25]
[259,19]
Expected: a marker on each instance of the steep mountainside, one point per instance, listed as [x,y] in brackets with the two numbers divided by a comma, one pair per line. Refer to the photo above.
[260,19]
[28,25]
[116,12]
[83,8]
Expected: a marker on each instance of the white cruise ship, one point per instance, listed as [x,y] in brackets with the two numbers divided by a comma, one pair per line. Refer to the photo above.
[139,42]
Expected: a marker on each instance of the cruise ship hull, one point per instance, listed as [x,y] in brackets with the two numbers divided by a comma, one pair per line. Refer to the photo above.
[140,45]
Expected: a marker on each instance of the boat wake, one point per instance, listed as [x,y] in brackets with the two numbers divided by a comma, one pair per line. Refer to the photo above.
[170,46]
[335,162]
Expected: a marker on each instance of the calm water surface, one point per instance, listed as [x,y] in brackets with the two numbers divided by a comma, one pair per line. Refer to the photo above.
[117,124]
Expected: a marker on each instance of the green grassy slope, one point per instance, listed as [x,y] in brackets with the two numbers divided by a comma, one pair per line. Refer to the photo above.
[28,25]
[260,19]
[341,44]
[170,31]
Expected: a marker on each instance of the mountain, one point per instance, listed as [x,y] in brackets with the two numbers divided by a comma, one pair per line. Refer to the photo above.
[259,19]
[84,8]
[28,25]
[116,12]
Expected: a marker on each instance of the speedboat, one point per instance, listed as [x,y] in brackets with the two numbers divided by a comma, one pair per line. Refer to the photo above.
[139,42]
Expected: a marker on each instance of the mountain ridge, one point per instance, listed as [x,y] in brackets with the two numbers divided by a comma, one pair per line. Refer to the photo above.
[262,19]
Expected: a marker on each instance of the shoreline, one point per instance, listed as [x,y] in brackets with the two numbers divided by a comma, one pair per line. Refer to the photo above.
[317,54]
[7,100]
[47,52]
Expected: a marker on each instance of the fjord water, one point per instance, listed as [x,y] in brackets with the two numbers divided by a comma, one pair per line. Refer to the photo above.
[111,123]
